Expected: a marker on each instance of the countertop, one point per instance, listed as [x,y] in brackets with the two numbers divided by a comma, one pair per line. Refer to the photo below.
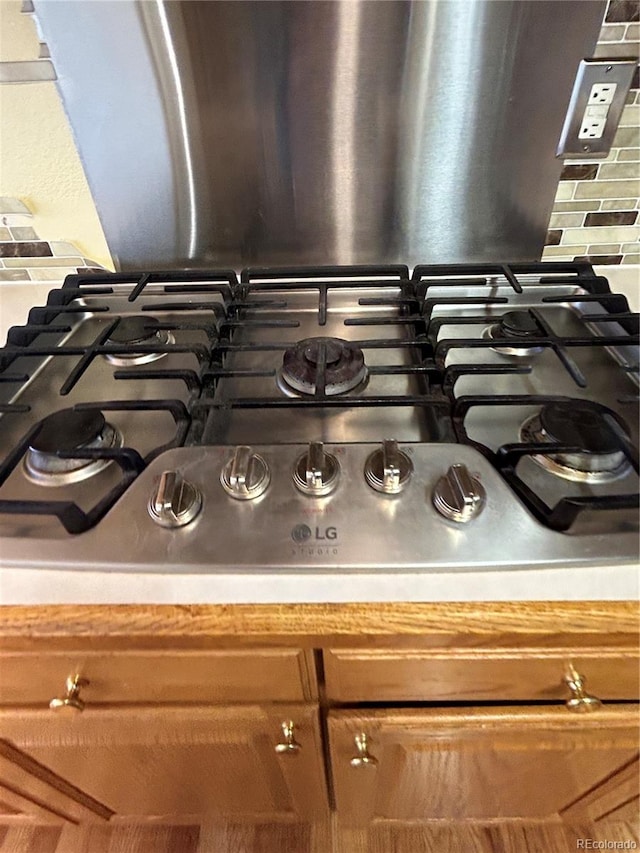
[38,586]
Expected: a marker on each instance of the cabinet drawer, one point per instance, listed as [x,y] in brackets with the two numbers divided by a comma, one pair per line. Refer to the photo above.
[357,675]
[270,675]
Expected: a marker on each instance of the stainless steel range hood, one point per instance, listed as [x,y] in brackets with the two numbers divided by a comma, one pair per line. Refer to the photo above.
[267,133]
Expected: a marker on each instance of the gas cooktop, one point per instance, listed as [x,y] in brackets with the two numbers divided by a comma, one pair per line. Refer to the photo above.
[353,417]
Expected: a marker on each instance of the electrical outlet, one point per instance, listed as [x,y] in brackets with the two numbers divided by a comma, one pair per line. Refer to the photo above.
[597,101]
[602,93]
[592,128]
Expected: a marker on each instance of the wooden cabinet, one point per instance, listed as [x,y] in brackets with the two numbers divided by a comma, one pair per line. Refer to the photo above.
[132,676]
[201,761]
[485,674]
[478,764]
[462,705]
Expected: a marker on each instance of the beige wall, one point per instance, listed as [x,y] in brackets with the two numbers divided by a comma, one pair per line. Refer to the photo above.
[39,163]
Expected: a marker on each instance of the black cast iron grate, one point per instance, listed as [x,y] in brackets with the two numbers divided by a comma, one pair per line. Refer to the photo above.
[237,304]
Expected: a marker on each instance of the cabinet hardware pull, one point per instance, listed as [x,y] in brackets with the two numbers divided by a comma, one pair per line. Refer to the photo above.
[364,757]
[289,746]
[580,701]
[71,701]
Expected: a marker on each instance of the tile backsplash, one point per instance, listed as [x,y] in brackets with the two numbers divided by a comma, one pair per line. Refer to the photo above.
[597,208]
[25,257]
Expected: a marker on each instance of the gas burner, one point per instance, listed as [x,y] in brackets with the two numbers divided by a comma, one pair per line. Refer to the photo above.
[577,424]
[518,326]
[345,368]
[66,431]
[138,329]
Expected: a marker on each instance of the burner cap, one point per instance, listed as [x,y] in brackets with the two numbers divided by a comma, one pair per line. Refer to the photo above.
[578,424]
[134,330]
[68,430]
[518,324]
[345,367]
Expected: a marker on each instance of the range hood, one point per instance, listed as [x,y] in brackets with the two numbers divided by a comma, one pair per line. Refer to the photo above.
[271,133]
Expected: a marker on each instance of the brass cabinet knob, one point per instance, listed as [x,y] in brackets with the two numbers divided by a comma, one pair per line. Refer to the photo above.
[288,746]
[71,701]
[580,701]
[363,757]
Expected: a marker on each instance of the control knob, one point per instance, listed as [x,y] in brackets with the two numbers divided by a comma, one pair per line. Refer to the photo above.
[246,475]
[458,496]
[316,472]
[388,469]
[175,502]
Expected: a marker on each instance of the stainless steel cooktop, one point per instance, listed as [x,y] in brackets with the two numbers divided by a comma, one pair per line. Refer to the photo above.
[351,417]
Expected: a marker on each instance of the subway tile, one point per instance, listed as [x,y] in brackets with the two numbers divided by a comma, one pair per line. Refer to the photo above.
[14,275]
[565,190]
[607,234]
[24,233]
[599,259]
[13,205]
[631,259]
[25,250]
[562,252]
[614,50]
[618,171]
[579,172]
[608,189]
[633,32]
[612,32]
[619,204]
[566,220]
[630,116]
[43,262]
[604,249]
[5,234]
[64,249]
[11,220]
[629,154]
[622,10]
[612,217]
[51,273]
[626,137]
[630,247]
[570,206]
[553,238]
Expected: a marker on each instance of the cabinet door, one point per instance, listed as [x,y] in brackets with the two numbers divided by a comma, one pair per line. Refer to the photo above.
[180,761]
[475,763]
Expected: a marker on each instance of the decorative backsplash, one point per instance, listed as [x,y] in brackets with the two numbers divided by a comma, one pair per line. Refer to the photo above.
[596,212]
[25,257]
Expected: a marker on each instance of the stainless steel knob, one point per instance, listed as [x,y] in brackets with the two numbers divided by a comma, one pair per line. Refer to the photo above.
[580,701]
[363,757]
[246,475]
[175,502]
[388,469]
[288,746]
[458,496]
[316,472]
[71,701]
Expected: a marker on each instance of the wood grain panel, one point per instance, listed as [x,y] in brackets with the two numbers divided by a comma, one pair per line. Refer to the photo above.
[476,763]
[177,761]
[393,675]
[619,789]
[453,624]
[278,675]
[33,789]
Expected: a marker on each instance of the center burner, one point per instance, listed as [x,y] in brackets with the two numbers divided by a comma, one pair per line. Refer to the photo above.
[578,424]
[138,329]
[340,362]
[64,432]
[519,326]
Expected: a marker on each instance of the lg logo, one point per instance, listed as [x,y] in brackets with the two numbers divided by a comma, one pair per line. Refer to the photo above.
[303,533]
